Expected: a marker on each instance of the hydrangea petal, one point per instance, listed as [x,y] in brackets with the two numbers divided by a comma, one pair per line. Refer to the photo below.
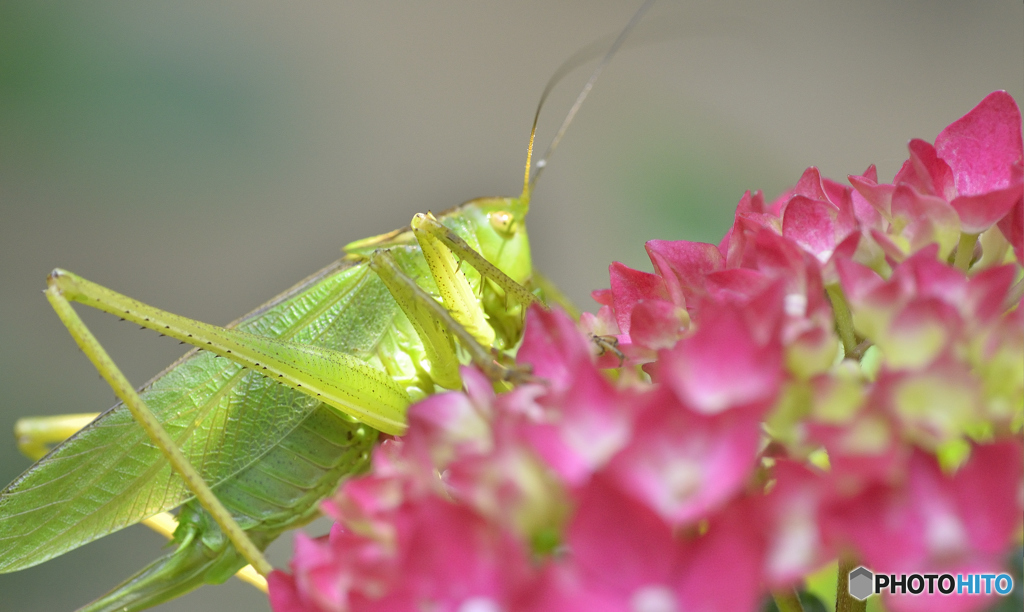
[812,225]
[586,428]
[552,345]
[618,542]
[682,464]
[721,366]
[734,540]
[934,173]
[925,219]
[684,265]
[984,147]
[630,286]
[657,324]
[1012,227]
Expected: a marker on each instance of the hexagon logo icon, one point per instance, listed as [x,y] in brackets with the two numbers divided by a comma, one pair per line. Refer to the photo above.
[860,584]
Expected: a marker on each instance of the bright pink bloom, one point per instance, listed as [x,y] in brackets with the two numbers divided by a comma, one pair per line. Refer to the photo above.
[623,557]
[823,382]
[934,523]
[723,364]
[986,160]
[685,464]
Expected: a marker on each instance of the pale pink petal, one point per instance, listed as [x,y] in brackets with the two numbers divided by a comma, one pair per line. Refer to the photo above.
[617,542]
[284,596]
[657,324]
[584,427]
[986,292]
[552,345]
[982,211]
[879,196]
[984,147]
[721,570]
[629,286]
[795,546]
[562,587]
[684,265]
[809,186]
[866,213]
[812,225]
[934,173]
[988,494]
[934,522]
[721,366]
[925,219]
[684,465]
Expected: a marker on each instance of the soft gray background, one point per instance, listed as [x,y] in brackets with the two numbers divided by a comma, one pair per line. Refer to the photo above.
[203,156]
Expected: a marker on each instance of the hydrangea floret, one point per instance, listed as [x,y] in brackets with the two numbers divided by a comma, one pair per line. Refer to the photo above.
[840,378]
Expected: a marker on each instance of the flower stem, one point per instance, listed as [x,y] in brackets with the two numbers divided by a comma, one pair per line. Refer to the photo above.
[787,601]
[844,320]
[965,251]
[844,601]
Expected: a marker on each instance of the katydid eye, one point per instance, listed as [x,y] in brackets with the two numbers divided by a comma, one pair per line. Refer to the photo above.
[503,222]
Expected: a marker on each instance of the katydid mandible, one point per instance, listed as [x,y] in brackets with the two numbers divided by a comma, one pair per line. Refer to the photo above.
[255,426]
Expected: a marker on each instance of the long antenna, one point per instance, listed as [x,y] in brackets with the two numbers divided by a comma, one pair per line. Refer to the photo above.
[543,161]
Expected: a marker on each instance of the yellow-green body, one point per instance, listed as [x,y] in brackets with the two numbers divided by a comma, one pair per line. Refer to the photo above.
[279,406]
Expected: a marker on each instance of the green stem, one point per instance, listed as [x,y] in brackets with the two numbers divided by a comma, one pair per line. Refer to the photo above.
[844,320]
[965,251]
[844,601]
[788,601]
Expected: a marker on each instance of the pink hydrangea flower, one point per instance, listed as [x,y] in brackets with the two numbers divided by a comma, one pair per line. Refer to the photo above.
[841,377]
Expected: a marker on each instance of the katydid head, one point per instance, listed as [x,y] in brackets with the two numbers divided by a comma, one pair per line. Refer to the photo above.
[500,229]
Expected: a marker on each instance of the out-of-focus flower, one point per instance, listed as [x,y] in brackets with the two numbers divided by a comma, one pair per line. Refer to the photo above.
[841,377]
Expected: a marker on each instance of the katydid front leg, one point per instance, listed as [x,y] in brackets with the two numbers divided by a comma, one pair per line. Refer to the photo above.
[432,235]
[433,323]
[461,315]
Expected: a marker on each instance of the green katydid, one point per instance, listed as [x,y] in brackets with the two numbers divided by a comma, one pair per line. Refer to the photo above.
[275,409]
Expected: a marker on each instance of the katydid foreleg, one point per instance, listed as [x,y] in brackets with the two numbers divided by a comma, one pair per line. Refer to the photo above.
[428,229]
[433,322]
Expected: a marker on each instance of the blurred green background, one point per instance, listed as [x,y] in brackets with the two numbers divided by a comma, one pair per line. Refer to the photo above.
[203,156]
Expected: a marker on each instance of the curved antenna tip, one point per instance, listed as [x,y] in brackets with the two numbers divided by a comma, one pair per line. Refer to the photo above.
[543,161]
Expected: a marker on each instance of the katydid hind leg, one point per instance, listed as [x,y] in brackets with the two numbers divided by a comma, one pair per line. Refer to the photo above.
[336,378]
[227,420]
[158,435]
[37,435]
[268,498]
